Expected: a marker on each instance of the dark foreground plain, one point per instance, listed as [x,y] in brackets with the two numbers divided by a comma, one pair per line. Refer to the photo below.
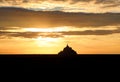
[32,61]
[59,67]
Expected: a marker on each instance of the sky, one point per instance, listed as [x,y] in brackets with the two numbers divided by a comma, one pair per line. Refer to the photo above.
[47,26]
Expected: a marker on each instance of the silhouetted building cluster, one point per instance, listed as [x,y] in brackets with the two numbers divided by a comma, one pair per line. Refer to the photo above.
[67,51]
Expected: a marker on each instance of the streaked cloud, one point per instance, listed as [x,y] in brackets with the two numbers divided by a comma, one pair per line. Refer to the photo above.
[92,32]
[27,34]
[87,6]
[6,34]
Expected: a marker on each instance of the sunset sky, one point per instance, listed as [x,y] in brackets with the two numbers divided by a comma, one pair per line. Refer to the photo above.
[47,26]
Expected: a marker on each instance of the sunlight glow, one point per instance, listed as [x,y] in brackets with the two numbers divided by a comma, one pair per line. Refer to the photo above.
[47,42]
[57,29]
[68,28]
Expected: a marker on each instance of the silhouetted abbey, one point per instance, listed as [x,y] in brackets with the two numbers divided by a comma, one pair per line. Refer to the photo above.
[67,51]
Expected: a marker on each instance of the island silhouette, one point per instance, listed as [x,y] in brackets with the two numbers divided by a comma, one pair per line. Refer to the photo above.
[67,51]
[67,58]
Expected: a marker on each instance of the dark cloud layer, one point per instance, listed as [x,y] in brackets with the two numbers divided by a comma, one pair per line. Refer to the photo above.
[92,32]
[6,34]
[10,17]
[9,28]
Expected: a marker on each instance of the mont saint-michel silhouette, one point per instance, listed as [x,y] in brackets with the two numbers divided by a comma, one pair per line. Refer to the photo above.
[67,51]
